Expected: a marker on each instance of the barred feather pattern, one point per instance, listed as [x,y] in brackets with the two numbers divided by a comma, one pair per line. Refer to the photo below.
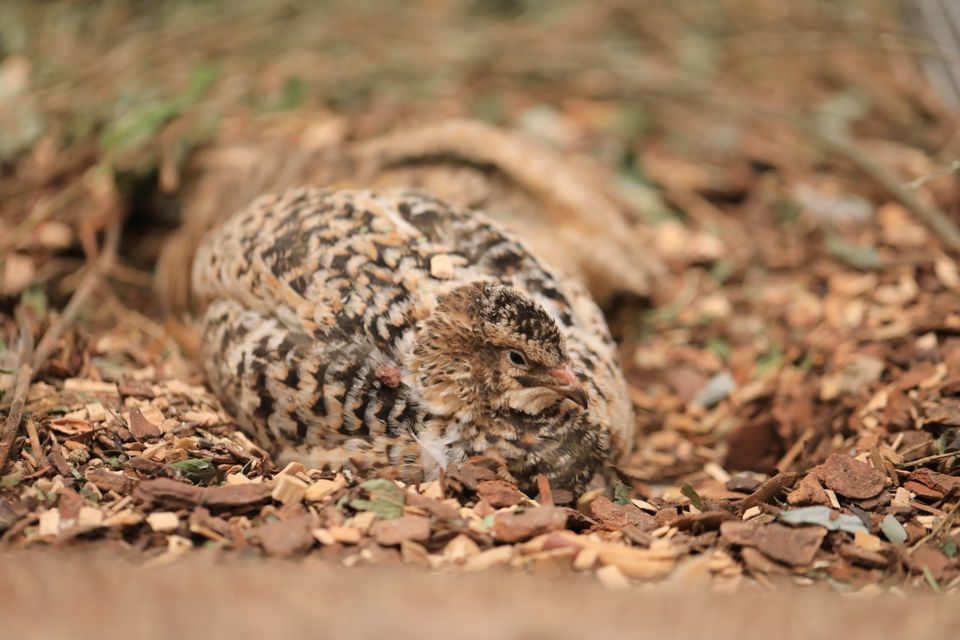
[339,325]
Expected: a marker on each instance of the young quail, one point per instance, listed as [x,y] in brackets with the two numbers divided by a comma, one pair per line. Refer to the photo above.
[395,329]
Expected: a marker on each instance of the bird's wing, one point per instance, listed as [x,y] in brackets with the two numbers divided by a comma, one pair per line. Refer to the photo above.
[326,263]
[299,396]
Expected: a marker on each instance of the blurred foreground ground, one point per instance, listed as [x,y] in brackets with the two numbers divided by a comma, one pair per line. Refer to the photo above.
[97,597]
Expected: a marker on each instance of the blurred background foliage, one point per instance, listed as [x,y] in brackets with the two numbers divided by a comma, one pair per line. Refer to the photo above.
[120,73]
[99,95]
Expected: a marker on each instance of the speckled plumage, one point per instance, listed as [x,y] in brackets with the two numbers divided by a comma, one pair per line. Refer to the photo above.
[386,328]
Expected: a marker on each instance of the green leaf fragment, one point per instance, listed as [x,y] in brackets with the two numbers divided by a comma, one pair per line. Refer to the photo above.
[10,480]
[139,125]
[720,347]
[930,579]
[768,362]
[858,256]
[950,548]
[384,498]
[195,470]
[621,492]
[293,94]
[722,270]
[692,495]
[893,530]
[36,299]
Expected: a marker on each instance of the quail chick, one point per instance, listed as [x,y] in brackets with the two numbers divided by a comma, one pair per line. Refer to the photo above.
[395,329]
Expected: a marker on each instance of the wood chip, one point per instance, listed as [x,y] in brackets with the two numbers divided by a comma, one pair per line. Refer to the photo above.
[639,563]
[346,535]
[362,521]
[431,490]
[8,516]
[289,489]
[612,578]
[586,559]
[808,492]
[440,510]
[499,494]
[324,536]
[757,561]
[124,518]
[851,478]
[793,545]
[441,266]
[938,482]
[323,489]
[284,538]
[82,385]
[396,530]
[769,490]
[205,418]
[166,491]
[460,548]
[516,527]
[496,556]
[867,541]
[49,523]
[177,547]
[862,556]
[163,521]
[705,521]
[292,469]
[108,480]
[90,517]
[141,427]
[96,412]
[613,516]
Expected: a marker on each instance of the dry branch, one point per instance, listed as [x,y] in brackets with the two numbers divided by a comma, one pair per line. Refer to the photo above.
[90,281]
[928,214]
[30,360]
[24,374]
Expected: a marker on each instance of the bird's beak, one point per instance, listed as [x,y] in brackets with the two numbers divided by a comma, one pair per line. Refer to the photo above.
[564,382]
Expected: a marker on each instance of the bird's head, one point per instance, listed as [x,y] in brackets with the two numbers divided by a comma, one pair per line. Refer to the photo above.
[488,347]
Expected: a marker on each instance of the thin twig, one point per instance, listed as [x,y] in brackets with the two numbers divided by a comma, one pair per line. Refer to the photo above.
[35,441]
[943,525]
[24,374]
[41,211]
[930,215]
[922,461]
[32,360]
[953,167]
[914,448]
[795,450]
[90,281]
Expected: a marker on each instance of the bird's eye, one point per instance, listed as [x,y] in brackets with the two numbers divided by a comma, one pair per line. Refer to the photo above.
[517,359]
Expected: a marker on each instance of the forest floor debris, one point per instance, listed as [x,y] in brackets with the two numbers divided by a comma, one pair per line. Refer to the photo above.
[796,369]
